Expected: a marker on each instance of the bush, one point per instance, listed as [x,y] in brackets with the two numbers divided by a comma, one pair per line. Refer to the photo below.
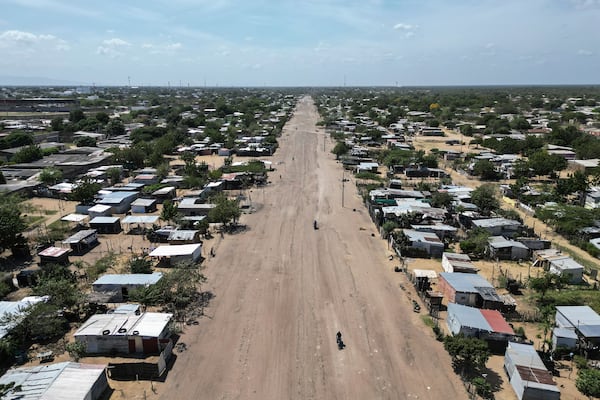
[76,350]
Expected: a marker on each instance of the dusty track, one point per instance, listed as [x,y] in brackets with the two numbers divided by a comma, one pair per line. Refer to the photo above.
[283,290]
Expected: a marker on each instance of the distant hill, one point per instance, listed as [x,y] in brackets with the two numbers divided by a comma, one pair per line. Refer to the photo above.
[35,81]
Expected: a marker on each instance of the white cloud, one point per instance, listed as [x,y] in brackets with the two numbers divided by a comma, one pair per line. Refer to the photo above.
[586,4]
[20,39]
[116,42]
[409,34]
[583,52]
[174,46]
[404,27]
[489,45]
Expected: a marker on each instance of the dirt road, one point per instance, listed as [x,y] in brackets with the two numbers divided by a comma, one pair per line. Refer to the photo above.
[283,290]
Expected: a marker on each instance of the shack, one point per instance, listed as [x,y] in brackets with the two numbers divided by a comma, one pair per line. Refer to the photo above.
[488,325]
[457,262]
[143,206]
[166,193]
[555,262]
[99,210]
[119,201]
[64,381]
[106,224]
[144,334]
[122,284]
[82,240]
[506,249]
[178,253]
[584,322]
[182,236]
[527,373]
[469,290]
[427,241]
[54,255]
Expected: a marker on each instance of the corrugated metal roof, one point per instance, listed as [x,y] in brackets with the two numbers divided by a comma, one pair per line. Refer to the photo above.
[99,208]
[492,222]
[175,250]
[76,238]
[140,219]
[129,279]
[104,220]
[497,321]
[54,252]
[144,202]
[64,381]
[564,333]
[469,317]
[183,234]
[465,282]
[579,315]
[17,307]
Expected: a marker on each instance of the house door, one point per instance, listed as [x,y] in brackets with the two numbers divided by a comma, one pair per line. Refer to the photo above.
[124,293]
[139,348]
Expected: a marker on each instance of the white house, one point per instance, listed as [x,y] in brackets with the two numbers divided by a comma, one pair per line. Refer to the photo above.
[527,373]
[178,253]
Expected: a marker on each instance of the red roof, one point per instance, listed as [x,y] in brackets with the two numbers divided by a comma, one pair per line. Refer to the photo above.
[54,252]
[497,321]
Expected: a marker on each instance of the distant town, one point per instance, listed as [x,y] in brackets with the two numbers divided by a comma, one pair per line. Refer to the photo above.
[193,242]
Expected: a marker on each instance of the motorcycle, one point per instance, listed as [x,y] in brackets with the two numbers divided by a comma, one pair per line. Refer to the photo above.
[315,226]
[340,342]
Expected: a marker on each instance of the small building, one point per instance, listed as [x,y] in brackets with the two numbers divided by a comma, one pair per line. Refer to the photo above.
[145,334]
[60,381]
[564,337]
[441,230]
[143,206]
[555,262]
[54,255]
[119,201]
[488,325]
[166,193]
[469,290]
[106,224]
[583,322]
[99,210]
[498,226]
[457,262]
[193,206]
[16,308]
[82,240]
[178,253]
[427,241]
[506,249]
[122,284]
[527,373]
[146,179]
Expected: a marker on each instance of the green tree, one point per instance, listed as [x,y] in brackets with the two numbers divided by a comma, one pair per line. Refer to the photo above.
[115,128]
[441,200]
[38,322]
[57,124]
[543,163]
[76,350]
[76,115]
[2,179]
[63,291]
[102,117]
[85,141]
[50,176]
[169,211]
[588,382]
[340,149]
[85,191]
[225,210]
[485,169]
[468,354]
[477,242]
[28,154]
[140,265]
[12,223]
[485,197]
[114,174]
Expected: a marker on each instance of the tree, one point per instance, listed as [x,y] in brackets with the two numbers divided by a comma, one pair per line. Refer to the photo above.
[169,211]
[85,141]
[543,163]
[485,198]
[40,321]
[85,191]
[76,116]
[115,128]
[114,174]
[477,242]
[441,200]
[76,350]
[548,281]
[12,223]
[28,154]
[2,179]
[588,382]
[102,117]
[340,149]
[140,265]
[485,169]
[225,210]
[57,124]
[62,290]
[467,353]
[50,176]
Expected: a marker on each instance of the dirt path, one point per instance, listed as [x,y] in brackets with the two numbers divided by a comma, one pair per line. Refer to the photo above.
[283,290]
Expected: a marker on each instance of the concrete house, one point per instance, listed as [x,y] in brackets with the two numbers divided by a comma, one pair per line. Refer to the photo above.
[555,262]
[54,255]
[193,206]
[60,381]
[144,334]
[99,210]
[469,290]
[82,240]
[527,373]
[121,284]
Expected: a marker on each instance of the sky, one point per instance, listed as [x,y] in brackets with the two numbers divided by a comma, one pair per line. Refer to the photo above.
[300,42]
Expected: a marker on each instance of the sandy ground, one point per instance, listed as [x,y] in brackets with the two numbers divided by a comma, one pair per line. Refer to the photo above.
[282,290]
